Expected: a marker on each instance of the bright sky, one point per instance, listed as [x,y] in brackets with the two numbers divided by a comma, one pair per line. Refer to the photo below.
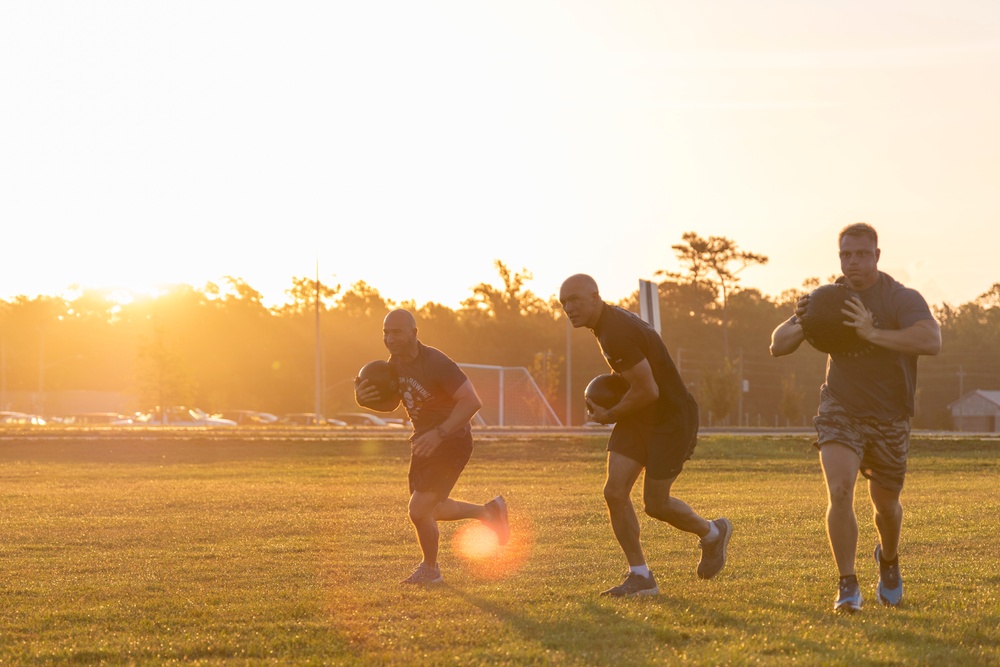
[410,144]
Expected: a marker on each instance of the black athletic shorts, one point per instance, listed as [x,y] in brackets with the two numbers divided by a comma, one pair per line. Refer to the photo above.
[662,447]
[439,472]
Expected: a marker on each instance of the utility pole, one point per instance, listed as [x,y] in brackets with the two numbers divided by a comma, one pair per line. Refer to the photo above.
[569,373]
[41,375]
[318,371]
[961,394]
[739,390]
[3,375]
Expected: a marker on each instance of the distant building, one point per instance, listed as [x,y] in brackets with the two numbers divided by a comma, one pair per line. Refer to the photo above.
[977,411]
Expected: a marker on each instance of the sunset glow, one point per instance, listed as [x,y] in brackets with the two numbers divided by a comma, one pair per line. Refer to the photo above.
[177,143]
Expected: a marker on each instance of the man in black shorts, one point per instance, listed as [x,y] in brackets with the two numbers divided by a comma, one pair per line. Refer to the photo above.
[440,402]
[656,427]
[863,422]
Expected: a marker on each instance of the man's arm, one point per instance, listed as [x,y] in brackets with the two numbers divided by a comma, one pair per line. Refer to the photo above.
[788,335]
[921,337]
[642,391]
[467,404]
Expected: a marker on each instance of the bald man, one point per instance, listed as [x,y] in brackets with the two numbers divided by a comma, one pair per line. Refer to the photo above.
[440,401]
[656,427]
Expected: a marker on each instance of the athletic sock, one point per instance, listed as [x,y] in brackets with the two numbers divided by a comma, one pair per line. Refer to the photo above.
[642,570]
[713,532]
[849,579]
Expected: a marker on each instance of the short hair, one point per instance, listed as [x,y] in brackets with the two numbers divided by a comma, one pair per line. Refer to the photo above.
[859,229]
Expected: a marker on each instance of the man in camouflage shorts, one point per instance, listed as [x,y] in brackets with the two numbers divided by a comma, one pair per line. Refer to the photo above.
[863,422]
[881,446]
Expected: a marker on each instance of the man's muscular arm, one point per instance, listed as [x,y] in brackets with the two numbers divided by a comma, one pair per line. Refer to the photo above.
[642,391]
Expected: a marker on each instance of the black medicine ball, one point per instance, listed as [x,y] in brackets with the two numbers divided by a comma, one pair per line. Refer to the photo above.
[823,322]
[606,390]
[381,374]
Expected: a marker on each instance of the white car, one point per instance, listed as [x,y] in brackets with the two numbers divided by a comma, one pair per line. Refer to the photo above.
[180,416]
[99,418]
[21,418]
[247,417]
[365,419]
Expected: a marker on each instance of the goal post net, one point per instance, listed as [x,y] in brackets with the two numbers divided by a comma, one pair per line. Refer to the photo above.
[510,397]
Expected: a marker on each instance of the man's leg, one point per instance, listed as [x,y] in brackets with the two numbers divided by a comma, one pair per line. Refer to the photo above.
[493,514]
[888,522]
[456,510]
[714,534]
[659,504]
[423,507]
[888,518]
[622,474]
[840,469]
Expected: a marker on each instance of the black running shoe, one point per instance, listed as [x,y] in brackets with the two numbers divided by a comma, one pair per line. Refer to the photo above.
[713,554]
[425,575]
[890,583]
[634,584]
[848,596]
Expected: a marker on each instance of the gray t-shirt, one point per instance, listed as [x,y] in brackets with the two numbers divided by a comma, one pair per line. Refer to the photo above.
[878,382]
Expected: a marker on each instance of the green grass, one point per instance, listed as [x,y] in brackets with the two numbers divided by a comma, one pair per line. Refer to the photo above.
[121,549]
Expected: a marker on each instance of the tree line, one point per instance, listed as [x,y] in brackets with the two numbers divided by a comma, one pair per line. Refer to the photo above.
[219,347]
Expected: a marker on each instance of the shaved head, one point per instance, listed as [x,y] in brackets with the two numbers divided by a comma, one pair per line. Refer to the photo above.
[581,300]
[400,319]
[399,334]
[580,281]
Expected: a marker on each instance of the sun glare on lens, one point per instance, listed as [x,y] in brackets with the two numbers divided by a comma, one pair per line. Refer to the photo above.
[479,549]
[475,541]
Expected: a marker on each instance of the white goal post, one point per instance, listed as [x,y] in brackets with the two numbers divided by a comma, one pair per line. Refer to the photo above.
[510,397]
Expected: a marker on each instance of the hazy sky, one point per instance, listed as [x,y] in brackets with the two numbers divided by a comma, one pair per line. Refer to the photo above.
[410,144]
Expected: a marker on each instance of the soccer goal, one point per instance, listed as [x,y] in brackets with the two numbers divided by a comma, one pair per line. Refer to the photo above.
[510,397]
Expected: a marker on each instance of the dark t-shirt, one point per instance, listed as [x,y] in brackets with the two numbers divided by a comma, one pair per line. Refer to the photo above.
[427,385]
[878,382]
[626,340]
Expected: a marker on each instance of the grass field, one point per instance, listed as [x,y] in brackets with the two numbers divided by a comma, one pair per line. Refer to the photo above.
[208,549]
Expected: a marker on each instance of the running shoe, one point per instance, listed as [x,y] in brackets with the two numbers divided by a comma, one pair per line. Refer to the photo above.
[890,583]
[424,575]
[634,584]
[848,596]
[497,520]
[713,554]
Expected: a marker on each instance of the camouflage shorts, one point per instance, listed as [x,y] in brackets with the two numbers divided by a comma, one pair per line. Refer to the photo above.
[882,446]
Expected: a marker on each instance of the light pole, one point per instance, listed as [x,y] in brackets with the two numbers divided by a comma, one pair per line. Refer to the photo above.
[318,370]
[569,375]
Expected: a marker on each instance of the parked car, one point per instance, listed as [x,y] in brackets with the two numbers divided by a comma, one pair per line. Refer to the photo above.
[180,416]
[93,418]
[247,417]
[21,418]
[309,419]
[365,419]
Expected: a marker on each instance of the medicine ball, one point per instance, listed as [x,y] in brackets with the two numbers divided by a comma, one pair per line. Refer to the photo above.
[382,374]
[823,322]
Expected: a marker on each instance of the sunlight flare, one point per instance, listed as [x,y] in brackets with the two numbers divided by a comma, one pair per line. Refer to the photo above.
[477,547]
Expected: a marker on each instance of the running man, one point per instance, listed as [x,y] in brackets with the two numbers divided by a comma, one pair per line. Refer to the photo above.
[656,428]
[866,402]
[440,402]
